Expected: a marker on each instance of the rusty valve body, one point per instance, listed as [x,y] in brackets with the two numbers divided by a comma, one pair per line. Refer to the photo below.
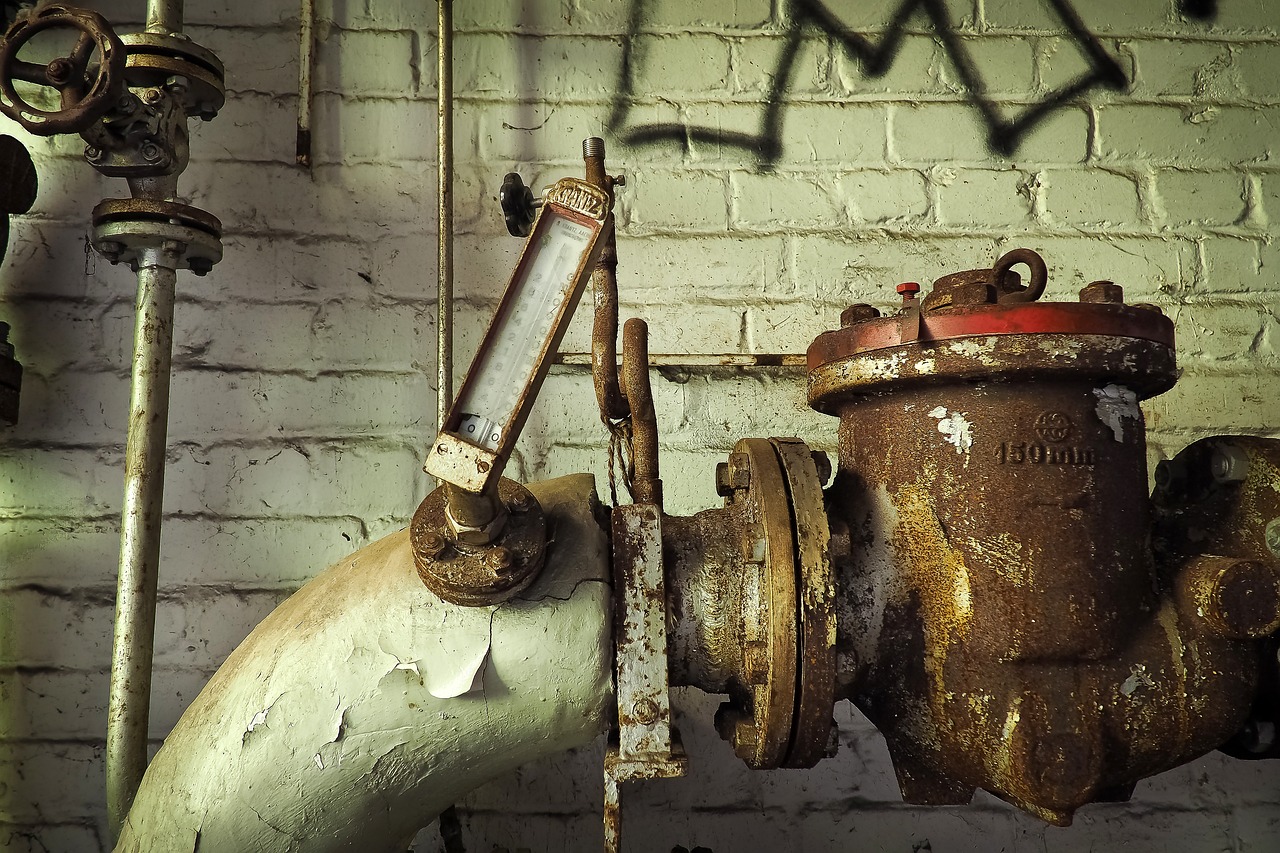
[1010,626]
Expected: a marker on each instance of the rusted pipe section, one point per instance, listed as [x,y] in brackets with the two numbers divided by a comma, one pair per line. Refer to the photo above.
[444,197]
[132,649]
[644,421]
[604,286]
[164,16]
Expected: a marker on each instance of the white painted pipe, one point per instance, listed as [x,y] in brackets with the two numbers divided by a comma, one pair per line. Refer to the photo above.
[364,705]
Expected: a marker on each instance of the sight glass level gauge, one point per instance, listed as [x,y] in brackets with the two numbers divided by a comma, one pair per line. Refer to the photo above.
[479,538]
[499,389]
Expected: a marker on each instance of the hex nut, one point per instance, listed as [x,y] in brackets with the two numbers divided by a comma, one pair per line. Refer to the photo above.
[432,545]
[498,559]
[1102,292]
[738,471]
[1229,464]
[859,313]
[645,711]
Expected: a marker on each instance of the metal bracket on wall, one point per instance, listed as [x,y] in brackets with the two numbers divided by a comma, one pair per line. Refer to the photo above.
[645,745]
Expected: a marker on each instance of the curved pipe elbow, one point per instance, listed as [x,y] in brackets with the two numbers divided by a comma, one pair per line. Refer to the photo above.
[364,705]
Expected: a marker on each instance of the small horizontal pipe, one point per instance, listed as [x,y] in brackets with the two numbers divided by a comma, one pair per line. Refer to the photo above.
[697,360]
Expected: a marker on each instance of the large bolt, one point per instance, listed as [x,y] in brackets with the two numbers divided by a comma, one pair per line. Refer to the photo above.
[59,71]
[498,559]
[432,544]
[520,502]
[645,711]
[1272,536]
[111,249]
[908,289]
[152,96]
[1102,292]
[200,266]
[1229,464]
[746,737]
[151,152]
[855,314]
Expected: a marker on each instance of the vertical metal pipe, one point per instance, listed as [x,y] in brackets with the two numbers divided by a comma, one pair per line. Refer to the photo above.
[131,654]
[444,193]
[306,47]
[164,16]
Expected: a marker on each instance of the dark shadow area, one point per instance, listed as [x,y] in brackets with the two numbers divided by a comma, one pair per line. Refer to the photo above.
[877,57]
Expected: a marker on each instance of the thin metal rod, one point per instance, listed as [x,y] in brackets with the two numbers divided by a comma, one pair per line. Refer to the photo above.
[164,16]
[444,193]
[306,46]
[131,654]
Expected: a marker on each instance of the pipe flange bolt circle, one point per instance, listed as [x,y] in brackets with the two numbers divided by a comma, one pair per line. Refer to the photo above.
[84,99]
[154,59]
[816,600]
[758,720]
[478,576]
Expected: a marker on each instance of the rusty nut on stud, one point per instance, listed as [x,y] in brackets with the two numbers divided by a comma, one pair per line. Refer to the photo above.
[478,575]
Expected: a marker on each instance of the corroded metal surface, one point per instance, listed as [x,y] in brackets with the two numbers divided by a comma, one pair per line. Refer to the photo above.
[481,574]
[752,603]
[1003,619]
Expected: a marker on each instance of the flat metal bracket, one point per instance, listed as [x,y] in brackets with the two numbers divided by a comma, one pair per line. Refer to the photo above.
[645,746]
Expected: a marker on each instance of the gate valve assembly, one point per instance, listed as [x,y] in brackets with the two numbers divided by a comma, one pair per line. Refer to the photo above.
[985,576]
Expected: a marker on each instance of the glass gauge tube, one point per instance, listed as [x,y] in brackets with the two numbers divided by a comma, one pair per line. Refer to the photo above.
[512,361]
[504,369]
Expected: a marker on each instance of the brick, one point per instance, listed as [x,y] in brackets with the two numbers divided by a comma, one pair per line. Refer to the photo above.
[1221,404]
[712,14]
[199,631]
[982,197]
[885,196]
[766,202]
[47,259]
[969,830]
[1233,265]
[518,66]
[554,16]
[1187,137]
[1092,197]
[373,130]
[916,67]
[1061,62]
[1259,68]
[372,62]
[1216,332]
[255,60]
[548,132]
[41,837]
[359,477]
[1005,66]
[73,770]
[695,65]
[68,482]
[1098,826]
[660,201]
[1256,829]
[1201,198]
[927,133]
[758,60]
[838,132]
[1204,70]
[60,553]
[1099,16]
[66,630]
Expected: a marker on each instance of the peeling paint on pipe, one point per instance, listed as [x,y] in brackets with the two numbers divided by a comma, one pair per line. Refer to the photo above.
[324,730]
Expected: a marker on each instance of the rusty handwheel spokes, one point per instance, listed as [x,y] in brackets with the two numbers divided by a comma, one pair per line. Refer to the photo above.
[88,89]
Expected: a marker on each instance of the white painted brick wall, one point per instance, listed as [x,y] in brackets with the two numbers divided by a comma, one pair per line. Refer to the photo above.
[303,365]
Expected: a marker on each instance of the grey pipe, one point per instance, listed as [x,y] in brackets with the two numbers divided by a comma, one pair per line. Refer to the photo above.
[444,194]
[164,16]
[131,653]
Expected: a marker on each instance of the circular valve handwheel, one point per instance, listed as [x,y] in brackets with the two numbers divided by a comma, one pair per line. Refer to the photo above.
[87,91]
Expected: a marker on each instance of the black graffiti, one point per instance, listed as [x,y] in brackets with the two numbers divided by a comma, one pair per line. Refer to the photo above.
[1003,133]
